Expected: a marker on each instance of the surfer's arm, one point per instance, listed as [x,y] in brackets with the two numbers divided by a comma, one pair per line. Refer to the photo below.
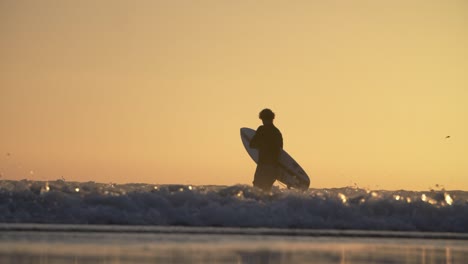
[255,141]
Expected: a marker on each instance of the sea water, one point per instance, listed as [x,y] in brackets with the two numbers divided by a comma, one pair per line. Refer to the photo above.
[61,202]
[70,222]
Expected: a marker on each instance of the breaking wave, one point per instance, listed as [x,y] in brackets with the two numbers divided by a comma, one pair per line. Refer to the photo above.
[61,202]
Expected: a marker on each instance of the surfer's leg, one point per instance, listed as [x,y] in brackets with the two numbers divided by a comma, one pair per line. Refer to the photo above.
[265,176]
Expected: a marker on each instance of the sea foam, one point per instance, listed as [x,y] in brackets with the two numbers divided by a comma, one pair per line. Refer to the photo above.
[61,202]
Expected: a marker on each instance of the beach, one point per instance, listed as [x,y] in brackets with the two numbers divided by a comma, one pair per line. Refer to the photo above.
[288,132]
[26,243]
[51,222]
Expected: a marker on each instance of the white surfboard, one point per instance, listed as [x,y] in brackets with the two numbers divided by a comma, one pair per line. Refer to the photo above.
[292,173]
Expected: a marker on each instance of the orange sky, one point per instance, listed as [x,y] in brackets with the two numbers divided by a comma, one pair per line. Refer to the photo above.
[365,92]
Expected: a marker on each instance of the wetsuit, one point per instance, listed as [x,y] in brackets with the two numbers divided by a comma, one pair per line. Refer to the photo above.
[269,142]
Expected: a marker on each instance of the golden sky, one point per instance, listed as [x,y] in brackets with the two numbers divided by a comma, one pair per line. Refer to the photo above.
[365,92]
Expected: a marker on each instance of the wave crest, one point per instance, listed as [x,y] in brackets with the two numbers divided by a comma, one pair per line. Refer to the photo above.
[231,206]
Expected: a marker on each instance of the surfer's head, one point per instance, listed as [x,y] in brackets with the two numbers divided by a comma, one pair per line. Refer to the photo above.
[266,115]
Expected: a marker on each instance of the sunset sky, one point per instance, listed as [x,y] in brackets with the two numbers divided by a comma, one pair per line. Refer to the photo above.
[365,92]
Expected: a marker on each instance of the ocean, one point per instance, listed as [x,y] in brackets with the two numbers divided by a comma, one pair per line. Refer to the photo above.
[73,222]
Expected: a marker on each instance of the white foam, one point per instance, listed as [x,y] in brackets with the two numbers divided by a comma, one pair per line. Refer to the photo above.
[231,206]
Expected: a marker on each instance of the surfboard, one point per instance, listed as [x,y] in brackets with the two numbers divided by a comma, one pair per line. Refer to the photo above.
[291,173]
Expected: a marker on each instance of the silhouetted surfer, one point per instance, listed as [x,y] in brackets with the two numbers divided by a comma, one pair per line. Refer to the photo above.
[269,142]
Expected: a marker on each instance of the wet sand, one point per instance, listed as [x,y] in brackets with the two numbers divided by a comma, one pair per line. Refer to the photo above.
[113,244]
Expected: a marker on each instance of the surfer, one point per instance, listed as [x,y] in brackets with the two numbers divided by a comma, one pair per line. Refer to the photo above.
[269,142]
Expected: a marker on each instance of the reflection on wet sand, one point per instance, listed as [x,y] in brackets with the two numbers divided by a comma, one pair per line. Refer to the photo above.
[344,252]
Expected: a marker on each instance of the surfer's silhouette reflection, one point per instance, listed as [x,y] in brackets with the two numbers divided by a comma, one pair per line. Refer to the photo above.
[269,142]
